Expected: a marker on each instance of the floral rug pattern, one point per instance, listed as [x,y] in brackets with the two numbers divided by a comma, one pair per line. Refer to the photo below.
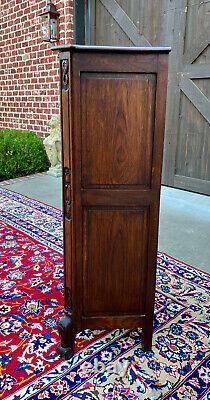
[106,365]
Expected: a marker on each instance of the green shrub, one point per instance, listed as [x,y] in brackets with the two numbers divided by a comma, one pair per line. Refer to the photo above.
[21,153]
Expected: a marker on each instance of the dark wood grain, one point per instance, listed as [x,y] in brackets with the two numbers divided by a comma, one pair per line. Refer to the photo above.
[113,126]
[116,260]
[114,321]
[117,128]
[66,324]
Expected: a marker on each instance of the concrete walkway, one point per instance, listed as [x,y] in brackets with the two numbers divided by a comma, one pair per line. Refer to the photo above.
[41,187]
[184,230]
[184,219]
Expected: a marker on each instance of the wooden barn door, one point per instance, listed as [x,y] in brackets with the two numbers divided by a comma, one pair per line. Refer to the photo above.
[185,26]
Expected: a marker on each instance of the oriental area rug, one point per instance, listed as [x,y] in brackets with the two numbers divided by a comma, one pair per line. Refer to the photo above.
[106,365]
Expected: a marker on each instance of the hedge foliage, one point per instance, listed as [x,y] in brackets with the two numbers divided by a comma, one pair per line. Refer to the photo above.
[21,153]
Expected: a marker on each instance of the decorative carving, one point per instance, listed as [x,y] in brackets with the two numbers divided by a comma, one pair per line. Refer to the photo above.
[65,75]
[66,172]
[53,147]
[68,301]
[67,192]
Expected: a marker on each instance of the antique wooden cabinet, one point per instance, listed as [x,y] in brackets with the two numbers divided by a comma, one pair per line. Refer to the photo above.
[113,111]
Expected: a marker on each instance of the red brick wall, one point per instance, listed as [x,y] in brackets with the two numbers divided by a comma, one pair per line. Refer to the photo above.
[29,88]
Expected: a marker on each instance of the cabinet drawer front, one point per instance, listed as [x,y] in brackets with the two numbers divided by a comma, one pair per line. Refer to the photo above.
[114,261]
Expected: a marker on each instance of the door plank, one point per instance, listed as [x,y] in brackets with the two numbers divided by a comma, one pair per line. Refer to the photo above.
[192,166]
[173,95]
[197,71]
[196,49]
[125,23]
[197,98]
[183,24]
[194,184]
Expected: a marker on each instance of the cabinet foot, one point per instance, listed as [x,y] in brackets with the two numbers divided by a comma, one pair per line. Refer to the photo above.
[67,336]
[65,352]
[147,339]
[147,346]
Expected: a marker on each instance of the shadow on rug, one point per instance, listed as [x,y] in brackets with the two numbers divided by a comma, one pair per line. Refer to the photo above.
[107,365]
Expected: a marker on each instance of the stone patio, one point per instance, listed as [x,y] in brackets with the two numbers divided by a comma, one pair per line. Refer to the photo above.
[184,219]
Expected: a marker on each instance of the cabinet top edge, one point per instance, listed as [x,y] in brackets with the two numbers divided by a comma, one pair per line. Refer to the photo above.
[74,48]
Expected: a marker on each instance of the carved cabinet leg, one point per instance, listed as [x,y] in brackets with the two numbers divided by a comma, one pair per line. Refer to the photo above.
[67,336]
[147,339]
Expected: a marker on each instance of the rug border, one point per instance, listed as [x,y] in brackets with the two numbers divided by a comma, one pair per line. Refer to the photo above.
[188,265]
[31,198]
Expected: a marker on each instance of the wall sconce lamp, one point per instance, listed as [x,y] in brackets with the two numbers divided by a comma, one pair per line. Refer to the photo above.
[49,23]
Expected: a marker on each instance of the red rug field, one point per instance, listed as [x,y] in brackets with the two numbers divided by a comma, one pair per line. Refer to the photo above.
[31,301]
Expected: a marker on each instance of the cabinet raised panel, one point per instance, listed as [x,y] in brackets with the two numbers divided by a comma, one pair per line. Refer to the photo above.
[112,114]
[114,251]
[117,135]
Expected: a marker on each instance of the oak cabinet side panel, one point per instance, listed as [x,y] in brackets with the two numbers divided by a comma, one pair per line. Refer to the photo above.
[117,128]
[114,260]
